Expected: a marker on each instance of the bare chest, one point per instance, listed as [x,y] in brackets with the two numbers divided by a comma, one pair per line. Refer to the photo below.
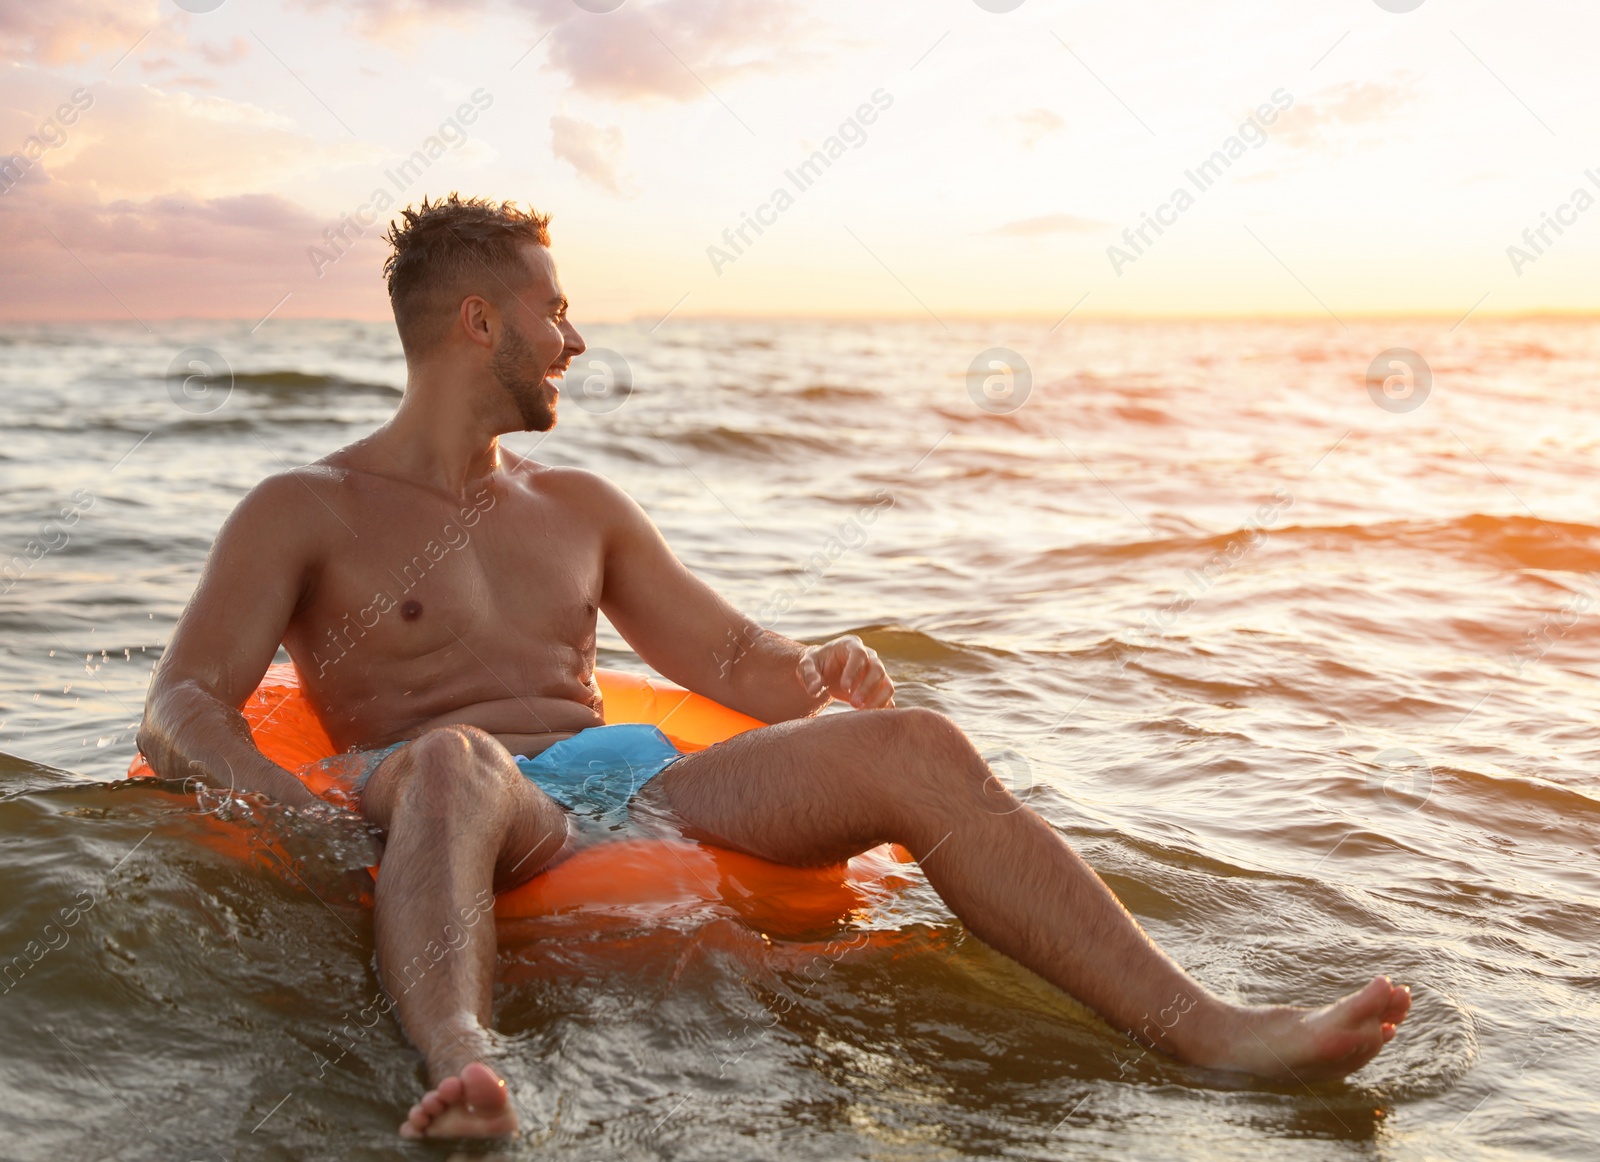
[420,587]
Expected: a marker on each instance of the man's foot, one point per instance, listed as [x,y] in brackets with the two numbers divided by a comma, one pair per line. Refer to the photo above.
[1286,1043]
[472,1104]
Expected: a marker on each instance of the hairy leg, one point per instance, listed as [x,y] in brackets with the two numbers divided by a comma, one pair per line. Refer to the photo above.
[460,823]
[817,791]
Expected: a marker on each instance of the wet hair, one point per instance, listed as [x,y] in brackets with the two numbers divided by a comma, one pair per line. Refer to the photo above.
[449,248]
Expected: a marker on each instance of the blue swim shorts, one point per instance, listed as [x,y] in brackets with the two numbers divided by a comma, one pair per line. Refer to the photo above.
[595,772]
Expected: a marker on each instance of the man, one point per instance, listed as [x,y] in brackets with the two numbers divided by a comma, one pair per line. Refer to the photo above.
[481,666]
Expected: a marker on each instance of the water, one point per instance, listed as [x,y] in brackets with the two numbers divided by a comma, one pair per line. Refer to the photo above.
[1358,739]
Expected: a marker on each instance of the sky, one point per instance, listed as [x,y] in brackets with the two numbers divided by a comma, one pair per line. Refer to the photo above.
[1040,159]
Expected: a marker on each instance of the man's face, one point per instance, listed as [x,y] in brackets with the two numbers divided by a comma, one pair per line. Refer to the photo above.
[536,342]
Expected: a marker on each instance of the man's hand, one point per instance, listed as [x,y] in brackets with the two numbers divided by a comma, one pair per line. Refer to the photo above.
[848,670]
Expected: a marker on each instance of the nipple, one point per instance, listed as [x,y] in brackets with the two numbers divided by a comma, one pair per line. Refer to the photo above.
[411,610]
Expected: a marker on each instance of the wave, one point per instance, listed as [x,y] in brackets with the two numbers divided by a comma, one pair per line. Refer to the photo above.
[911,646]
[1519,541]
[832,393]
[750,444]
[282,381]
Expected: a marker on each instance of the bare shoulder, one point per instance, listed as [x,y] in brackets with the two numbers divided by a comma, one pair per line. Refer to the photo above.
[588,493]
[290,506]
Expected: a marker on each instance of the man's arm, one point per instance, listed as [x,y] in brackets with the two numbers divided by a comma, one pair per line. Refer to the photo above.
[686,631]
[224,642]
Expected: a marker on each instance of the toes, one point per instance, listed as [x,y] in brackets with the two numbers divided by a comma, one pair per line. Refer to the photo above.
[1399,1005]
[1369,1004]
[474,1103]
[484,1090]
[416,1123]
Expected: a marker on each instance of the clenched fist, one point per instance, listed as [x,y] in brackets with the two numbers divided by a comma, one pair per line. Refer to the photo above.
[848,670]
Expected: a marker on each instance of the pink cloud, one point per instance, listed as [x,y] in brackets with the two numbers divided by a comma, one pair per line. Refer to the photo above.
[595,151]
[399,22]
[1317,119]
[237,49]
[666,50]
[64,255]
[72,30]
[623,54]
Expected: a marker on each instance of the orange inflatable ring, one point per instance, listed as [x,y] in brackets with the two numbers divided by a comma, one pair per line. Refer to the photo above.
[638,877]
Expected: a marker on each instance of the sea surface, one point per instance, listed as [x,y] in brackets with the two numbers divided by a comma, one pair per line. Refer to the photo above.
[1308,677]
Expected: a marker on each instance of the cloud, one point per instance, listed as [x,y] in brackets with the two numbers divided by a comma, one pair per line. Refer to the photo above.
[66,254]
[665,49]
[1316,121]
[596,152]
[1049,224]
[136,140]
[237,49]
[672,49]
[1035,125]
[72,30]
[398,23]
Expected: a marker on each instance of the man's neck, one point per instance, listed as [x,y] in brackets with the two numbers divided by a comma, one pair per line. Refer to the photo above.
[438,443]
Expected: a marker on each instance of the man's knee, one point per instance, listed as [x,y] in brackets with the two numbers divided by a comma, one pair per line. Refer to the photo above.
[932,745]
[927,731]
[455,765]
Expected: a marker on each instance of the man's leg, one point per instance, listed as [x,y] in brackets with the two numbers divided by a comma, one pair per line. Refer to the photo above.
[818,791]
[460,823]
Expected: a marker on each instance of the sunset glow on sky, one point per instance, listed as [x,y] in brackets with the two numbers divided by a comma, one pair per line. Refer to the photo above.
[780,157]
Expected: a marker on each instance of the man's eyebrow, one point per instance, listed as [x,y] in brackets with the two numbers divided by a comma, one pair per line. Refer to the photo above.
[560,302]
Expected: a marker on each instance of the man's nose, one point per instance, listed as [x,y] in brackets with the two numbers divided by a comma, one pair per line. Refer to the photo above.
[575,342]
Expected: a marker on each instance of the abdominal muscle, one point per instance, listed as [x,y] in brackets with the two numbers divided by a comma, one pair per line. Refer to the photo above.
[507,719]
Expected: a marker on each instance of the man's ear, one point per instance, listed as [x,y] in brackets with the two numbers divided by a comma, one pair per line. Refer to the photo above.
[479,320]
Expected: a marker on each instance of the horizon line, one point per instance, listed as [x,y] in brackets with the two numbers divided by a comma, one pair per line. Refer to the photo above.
[1433,315]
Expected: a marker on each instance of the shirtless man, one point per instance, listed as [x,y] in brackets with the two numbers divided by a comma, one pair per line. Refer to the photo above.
[439,596]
